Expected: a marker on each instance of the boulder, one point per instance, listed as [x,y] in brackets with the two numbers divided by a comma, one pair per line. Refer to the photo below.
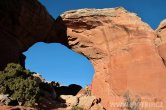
[86,102]
[70,100]
[82,101]
[4,99]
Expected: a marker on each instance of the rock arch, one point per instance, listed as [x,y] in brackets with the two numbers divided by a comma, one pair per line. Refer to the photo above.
[120,46]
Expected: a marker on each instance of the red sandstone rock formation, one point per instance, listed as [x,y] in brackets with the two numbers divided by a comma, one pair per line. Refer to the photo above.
[161,39]
[126,53]
[123,51]
[23,23]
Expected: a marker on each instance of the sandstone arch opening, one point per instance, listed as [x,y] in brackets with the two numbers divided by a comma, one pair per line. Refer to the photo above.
[56,62]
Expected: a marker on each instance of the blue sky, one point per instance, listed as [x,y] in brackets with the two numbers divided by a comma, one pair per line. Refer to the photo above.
[56,62]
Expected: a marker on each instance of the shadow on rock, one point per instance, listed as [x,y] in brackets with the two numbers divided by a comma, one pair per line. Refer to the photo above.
[72,89]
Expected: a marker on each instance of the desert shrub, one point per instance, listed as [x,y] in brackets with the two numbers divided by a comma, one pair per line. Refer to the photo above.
[130,103]
[19,84]
[76,108]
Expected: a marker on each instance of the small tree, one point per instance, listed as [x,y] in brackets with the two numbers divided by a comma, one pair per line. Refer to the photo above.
[19,84]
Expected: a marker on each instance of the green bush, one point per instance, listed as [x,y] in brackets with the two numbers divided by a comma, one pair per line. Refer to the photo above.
[76,108]
[19,84]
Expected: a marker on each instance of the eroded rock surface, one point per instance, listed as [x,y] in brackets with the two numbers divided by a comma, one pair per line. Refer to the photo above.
[23,23]
[161,39]
[123,51]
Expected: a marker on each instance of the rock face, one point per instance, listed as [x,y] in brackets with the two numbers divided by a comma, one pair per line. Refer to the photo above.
[23,23]
[124,52]
[161,39]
